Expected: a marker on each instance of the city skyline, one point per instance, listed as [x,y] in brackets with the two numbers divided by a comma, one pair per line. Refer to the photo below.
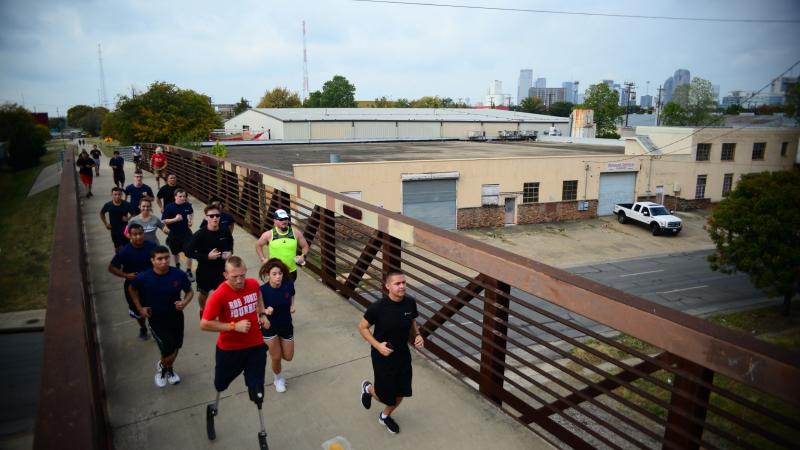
[50,61]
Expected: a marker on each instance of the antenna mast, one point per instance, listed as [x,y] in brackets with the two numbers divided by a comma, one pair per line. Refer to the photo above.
[305,64]
[103,97]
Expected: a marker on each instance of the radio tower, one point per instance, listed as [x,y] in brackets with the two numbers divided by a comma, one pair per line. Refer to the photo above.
[305,64]
[103,98]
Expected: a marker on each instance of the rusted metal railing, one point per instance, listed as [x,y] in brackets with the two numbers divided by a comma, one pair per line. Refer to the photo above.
[72,411]
[581,363]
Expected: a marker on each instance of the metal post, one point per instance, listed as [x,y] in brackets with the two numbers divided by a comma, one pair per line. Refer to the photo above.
[691,390]
[327,243]
[390,251]
[493,341]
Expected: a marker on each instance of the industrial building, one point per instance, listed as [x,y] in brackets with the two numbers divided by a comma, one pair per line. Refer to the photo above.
[470,184]
[342,124]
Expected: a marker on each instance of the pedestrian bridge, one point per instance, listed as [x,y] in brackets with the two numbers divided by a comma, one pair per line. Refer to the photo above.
[518,354]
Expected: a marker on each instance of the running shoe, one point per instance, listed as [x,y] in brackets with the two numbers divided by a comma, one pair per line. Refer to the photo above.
[161,375]
[172,376]
[280,385]
[391,425]
[366,398]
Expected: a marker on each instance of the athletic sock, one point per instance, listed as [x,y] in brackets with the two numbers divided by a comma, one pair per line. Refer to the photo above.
[383,416]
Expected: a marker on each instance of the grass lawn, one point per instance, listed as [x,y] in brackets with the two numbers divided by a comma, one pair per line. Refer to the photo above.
[26,236]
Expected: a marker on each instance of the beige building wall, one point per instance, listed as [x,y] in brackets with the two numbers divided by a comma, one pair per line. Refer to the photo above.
[297,131]
[366,130]
[459,129]
[381,182]
[332,130]
[257,123]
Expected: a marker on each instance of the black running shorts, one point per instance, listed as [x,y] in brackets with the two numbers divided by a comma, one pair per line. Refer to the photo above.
[392,376]
[167,332]
[230,363]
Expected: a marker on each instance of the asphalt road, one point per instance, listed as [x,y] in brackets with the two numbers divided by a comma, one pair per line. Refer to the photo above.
[680,281]
[19,389]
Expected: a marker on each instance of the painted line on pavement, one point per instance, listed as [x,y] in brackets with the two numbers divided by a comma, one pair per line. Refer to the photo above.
[684,289]
[640,273]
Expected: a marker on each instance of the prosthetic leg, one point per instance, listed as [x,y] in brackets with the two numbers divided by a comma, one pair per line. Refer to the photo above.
[211,412]
[257,396]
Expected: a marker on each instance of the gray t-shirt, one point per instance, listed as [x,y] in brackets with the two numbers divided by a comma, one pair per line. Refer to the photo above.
[150,226]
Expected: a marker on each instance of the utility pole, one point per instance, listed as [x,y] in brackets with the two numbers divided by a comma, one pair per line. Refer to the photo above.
[658,105]
[305,64]
[102,93]
[628,87]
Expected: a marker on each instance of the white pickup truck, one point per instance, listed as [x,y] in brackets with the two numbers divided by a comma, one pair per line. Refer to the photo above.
[655,216]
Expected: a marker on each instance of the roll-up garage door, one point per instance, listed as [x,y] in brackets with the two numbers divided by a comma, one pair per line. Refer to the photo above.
[615,188]
[431,201]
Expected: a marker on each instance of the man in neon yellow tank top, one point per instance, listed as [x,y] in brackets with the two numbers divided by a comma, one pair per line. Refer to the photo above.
[281,242]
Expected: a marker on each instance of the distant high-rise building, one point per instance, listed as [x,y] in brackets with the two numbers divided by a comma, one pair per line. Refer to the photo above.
[646,101]
[681,77]
[540,83]
[548,95]
[496,96]
[715,90]
[525,82]
[669,84]
[570,91]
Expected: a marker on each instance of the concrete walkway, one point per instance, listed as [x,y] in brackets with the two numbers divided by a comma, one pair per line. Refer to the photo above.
[323,381]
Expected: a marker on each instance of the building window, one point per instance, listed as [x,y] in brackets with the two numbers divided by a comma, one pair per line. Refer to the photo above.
[703,152]
[530,193]
[353,194]
[727,183]
[758,151]
[570,190]
[784,148]
[728,152]
[490,194]
[700,190]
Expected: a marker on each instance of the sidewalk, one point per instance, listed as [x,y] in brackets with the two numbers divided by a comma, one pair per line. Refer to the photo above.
[323,381]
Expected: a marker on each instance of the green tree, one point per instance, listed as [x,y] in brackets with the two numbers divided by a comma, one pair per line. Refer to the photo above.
[607,112]
[560,109]
[733,109]
[241,107]
[696,99]
[164,114]
[793,101]
[338,93]
[402,103]
[92,121]
[25,139]
[76,113]
[382,102]
[427,102]
[533,105]
[314,100]
[280,97]
[674,115]
[755,231]
[57,123]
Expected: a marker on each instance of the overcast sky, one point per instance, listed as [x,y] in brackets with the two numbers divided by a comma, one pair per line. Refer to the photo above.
[234,49]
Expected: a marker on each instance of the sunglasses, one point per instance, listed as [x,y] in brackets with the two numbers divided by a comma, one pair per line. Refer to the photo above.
[281,220]
[212,216]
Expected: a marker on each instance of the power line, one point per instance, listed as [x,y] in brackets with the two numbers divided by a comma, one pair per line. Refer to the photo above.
[580,13]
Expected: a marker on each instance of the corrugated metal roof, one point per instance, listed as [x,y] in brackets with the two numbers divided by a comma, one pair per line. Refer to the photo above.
[406,114]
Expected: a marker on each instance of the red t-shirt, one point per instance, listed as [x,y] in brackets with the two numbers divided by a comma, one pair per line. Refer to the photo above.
[158,160]
[227,305]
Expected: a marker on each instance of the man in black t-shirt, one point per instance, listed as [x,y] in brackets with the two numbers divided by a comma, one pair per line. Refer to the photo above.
[210,246]
[166,194]
[119,211]
[394,319]
[116,163]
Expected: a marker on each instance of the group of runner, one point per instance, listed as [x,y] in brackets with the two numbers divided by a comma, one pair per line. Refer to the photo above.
[252,320]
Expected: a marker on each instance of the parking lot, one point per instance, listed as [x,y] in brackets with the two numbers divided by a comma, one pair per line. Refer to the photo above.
[603,239]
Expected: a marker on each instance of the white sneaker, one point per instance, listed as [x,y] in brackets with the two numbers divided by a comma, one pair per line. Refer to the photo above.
[280,384]
[172,376]
[161,375]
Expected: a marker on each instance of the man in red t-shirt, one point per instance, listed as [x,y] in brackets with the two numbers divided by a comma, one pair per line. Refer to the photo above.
[158,162]
[235,310]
